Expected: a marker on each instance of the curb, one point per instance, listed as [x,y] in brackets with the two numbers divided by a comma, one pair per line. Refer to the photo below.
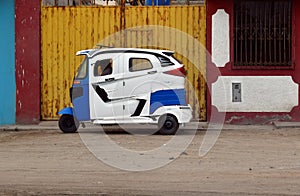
[53,125]
[26,128]
[201,126]
[282,125]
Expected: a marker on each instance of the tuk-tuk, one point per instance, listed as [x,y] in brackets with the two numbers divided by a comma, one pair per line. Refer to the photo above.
[116,86]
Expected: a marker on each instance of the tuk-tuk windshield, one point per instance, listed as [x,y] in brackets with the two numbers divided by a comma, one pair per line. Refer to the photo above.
[82,70]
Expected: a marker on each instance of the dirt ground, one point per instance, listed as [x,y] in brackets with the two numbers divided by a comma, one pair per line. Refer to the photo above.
[242,162]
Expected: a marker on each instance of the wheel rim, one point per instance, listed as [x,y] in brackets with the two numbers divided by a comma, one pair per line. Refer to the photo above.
[168,124]
[69,123]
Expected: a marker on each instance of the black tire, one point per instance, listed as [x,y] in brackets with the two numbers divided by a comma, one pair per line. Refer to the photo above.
[68,124]
[168,125]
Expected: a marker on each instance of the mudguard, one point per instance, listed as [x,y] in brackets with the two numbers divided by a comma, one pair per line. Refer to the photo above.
[67,110]
[182,113]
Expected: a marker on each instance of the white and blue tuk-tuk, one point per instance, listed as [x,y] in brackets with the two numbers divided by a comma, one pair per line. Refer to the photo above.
[128,86]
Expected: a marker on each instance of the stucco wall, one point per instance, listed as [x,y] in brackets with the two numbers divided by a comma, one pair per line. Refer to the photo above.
[7,63]
[266,94]
[28,61]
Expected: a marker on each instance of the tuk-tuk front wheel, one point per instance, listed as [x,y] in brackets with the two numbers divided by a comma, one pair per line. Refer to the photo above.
[68,123]
[168,124]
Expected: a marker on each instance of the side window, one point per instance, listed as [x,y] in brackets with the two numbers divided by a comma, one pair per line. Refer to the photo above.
[139,64]
[103,67]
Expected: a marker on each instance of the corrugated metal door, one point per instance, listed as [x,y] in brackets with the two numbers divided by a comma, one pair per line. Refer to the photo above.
[66,30]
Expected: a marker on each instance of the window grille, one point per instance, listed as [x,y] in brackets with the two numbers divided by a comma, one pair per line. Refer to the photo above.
[165,61]
[262,33]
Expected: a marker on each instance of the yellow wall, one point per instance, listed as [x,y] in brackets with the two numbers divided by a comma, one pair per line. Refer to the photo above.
[66,30]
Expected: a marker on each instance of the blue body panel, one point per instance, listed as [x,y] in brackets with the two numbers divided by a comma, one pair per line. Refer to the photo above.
[81,104]
[67,110]
[167,98]
[7,64]
[80,95]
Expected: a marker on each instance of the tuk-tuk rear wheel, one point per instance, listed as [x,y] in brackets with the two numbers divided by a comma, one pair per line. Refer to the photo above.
[168,124]
[68,123]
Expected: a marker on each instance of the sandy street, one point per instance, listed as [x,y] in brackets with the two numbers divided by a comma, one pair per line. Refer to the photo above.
[242,162]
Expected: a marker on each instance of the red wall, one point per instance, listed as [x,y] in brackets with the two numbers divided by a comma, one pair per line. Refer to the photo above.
[213,72]
[27,61]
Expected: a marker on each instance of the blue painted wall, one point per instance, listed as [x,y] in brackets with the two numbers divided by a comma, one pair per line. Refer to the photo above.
[7,62]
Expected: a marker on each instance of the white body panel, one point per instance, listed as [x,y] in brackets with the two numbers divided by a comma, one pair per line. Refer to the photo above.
[128,92]
[182,113]
[98,108]
[138,84]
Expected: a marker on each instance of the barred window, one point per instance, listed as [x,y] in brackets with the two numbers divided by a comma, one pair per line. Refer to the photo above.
[262,33]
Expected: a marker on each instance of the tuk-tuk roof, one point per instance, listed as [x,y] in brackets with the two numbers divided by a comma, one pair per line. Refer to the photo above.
[92,52]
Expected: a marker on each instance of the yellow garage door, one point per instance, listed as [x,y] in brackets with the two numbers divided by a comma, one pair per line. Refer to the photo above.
[65,30]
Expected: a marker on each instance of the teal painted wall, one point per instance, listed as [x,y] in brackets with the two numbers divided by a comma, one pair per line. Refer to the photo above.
[7,62]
